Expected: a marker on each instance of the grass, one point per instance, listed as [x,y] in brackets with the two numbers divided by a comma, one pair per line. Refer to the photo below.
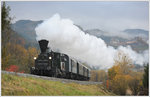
[27,86]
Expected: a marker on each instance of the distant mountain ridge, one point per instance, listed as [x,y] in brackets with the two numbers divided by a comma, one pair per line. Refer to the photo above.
[136,31]
[26,28]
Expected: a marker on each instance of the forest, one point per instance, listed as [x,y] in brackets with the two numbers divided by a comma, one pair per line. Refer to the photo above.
[15,55]
[121,79]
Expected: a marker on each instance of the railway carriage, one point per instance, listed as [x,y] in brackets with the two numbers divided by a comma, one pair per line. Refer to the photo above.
[60,65]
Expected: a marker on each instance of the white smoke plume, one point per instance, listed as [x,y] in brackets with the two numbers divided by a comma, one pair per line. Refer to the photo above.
[65,37]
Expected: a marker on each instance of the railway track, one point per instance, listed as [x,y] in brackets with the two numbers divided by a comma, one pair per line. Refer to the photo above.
[52,78]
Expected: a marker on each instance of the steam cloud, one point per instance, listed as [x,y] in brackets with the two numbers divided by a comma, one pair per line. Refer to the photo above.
[67,38]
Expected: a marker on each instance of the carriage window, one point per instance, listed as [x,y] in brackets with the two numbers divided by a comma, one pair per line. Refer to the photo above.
[62,65]
[58,56]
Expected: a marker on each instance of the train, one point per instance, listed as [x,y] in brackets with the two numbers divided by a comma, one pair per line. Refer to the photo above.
[55,64]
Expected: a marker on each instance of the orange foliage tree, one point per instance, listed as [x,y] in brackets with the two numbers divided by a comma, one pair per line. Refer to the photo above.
[122,77]
[118,74]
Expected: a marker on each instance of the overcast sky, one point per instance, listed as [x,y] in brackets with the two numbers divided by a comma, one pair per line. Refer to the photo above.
[103,15]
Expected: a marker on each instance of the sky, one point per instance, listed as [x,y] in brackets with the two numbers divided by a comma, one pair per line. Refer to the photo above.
[107,16]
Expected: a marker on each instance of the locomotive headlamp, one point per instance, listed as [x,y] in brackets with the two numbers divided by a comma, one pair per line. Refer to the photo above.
[50,57]
[34,58]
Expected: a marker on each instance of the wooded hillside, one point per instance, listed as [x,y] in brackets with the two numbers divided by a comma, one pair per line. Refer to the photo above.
[14,53]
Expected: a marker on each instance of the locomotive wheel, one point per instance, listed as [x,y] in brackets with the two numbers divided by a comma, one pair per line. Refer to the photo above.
[71,76]
[41,72]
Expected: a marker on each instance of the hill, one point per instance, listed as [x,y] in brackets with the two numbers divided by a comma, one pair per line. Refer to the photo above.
[138,42]
[28,86]
[26,29]
[137,32]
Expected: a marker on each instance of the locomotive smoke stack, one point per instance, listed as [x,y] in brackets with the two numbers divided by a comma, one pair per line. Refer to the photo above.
[43,45]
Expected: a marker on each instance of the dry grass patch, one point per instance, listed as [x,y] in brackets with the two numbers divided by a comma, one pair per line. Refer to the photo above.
[27,86]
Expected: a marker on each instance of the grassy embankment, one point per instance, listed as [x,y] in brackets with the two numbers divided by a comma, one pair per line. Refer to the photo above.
[16,85]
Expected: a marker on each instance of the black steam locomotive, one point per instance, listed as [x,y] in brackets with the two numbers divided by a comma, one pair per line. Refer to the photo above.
[54,64]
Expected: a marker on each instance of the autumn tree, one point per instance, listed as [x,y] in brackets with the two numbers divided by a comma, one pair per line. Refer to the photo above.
[122,65]
[119,85]
[134,85]
[122,77]
[135,82]
[112,72]
[18,56]
[118,74]
[124,61]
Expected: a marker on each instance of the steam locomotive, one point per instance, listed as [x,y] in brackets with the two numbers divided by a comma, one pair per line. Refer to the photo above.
[55,64]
